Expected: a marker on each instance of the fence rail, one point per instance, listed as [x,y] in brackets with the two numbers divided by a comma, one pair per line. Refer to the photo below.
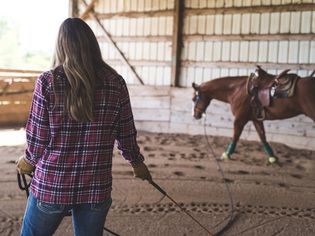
[16,90]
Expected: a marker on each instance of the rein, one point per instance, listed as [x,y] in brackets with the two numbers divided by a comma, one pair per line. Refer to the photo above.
[220,170]
[232,202]
[231,215]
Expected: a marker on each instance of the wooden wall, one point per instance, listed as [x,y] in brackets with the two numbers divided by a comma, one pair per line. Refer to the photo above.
[167,109]
[16,91]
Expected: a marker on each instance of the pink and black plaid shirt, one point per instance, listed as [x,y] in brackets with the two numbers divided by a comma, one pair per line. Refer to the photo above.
[74,159]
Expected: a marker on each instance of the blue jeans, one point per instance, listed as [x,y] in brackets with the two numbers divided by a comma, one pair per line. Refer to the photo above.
[42,219]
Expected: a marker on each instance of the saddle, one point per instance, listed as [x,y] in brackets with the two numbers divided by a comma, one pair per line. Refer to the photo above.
[263,91]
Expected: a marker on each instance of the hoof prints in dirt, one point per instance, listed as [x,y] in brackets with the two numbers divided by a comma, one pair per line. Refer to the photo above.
[213,208]
[11,162]
[9,226]
[178,173]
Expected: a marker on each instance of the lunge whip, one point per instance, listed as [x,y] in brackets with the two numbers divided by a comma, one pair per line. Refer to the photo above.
[156,186]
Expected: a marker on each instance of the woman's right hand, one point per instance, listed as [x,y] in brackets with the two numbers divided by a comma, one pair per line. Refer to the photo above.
[140,170]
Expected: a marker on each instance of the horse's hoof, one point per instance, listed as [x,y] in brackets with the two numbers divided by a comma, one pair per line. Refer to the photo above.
[225,156]
[272,160]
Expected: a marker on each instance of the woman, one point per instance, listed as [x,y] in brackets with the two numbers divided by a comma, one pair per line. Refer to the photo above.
[78,111]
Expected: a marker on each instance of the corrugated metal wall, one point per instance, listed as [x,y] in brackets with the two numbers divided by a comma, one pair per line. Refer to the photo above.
[246,49]
[222,37]
[150,57]
[146,40]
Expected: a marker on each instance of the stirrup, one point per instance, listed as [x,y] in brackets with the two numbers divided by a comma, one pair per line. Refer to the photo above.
[262,115]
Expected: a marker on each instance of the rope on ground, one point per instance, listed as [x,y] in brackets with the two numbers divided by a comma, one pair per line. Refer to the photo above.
[230,217]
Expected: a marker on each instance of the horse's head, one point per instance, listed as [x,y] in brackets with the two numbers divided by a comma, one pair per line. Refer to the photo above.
[200,101]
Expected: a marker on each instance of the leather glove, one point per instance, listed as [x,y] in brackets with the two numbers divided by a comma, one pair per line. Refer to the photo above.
[23,167]
[140,170]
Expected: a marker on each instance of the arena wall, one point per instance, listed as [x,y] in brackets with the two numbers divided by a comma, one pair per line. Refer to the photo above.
[219,38]
[169,110]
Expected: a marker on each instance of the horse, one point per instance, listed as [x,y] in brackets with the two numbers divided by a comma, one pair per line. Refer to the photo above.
[234,90]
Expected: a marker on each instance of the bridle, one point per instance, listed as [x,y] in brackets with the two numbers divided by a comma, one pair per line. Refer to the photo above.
[197,98]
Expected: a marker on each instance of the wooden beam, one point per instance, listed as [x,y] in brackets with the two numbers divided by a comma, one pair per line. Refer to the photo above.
[177,41]
[249,65]
[204,37]
[213,11]
[147,38]
[135,14]
[73,8]
[29,77]
[11,93]
[88,9]
[220,64]
[251,9]
[113,44]
[140,62]
[20,71]
[250,37]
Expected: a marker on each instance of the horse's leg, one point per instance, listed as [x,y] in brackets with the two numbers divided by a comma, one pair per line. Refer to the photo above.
[259,125]
[238,128]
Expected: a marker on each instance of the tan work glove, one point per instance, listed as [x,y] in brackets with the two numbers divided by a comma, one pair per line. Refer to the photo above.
[140,170]
[23,167]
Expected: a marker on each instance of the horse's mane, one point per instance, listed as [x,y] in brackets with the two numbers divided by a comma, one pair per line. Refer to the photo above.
[228,79]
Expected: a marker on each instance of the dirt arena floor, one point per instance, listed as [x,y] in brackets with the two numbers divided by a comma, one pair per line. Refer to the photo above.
[267,200]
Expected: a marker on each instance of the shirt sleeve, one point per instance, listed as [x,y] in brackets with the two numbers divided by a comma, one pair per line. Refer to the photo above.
[127,133]
[37,127]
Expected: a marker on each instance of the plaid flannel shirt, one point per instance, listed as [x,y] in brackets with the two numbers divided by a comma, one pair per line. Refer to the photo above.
[74,159]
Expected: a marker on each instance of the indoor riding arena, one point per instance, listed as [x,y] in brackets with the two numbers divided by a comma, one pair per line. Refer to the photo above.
[216,172]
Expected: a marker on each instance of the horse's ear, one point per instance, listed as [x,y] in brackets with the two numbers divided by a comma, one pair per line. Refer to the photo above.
[283,73]
[195,86]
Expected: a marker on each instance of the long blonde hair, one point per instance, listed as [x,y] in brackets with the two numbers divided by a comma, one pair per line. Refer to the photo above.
[78,52]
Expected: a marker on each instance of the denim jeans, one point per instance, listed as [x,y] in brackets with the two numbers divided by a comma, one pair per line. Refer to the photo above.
[42,219]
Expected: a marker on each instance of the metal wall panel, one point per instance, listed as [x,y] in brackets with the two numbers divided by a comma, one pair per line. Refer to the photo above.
[210,37]
[266,23]
[133,50]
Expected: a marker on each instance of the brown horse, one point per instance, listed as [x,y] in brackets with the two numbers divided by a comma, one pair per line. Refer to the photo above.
[233,90]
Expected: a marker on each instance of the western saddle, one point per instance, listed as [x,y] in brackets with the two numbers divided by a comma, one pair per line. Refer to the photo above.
[264,89]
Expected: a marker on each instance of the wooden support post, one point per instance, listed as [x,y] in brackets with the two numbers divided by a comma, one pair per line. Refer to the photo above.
[89,9]
[177,41]
[113,44]
[73,8]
